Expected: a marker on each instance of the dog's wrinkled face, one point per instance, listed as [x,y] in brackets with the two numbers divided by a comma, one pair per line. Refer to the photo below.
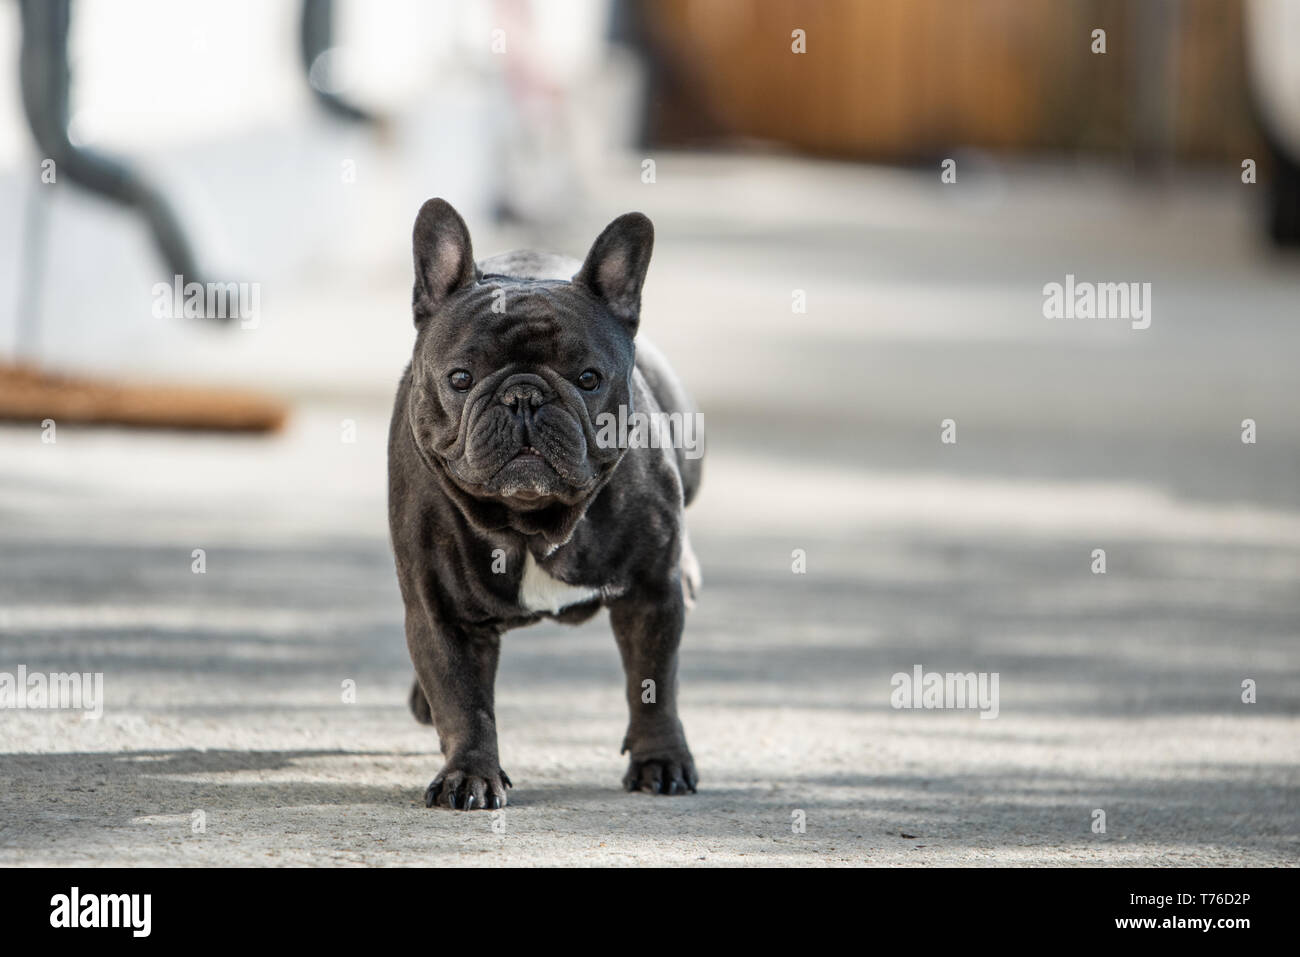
[509,375]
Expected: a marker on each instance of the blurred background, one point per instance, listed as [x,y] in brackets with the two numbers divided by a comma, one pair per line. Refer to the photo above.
[829,299]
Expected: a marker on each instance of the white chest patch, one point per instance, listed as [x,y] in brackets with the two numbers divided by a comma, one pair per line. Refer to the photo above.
[540,592]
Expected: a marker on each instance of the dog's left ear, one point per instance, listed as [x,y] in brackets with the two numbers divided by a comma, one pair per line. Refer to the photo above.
[444,257]
[616,266]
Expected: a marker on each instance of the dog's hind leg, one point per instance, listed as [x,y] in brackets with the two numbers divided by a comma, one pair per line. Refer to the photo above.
[420,704]
[691,578]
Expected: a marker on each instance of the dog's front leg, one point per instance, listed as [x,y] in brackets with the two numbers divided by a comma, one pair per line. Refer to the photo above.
[456,668]
[648,627]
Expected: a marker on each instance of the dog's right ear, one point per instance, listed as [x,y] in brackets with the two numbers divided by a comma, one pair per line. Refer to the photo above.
[444,259]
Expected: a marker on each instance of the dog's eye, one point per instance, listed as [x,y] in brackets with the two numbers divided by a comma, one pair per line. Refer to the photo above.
[589,380]
[460,380]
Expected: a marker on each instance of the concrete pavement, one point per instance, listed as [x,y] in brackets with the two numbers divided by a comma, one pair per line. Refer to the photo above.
[1118,692]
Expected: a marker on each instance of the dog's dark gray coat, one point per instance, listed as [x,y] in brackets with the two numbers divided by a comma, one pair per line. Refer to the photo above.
[507,472]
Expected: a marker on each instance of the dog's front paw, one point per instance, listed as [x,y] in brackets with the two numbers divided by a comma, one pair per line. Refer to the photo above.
[662,772]
[463,790]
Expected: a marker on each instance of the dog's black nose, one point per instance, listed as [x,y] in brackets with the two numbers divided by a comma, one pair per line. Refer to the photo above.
[523,392]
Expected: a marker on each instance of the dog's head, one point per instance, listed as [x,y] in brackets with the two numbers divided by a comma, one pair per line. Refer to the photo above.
[509,375]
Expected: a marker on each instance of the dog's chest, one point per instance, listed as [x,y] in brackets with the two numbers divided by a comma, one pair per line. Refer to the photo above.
[541,592]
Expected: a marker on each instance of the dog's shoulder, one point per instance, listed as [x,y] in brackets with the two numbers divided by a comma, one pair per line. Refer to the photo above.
[655,379]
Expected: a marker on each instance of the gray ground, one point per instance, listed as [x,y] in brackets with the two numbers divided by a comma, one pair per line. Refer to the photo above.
[1118,692]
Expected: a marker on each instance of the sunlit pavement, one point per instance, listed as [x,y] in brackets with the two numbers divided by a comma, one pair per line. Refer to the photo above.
[1119,692]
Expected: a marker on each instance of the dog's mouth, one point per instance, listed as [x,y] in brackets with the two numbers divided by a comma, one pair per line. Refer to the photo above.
[529,479]
[528,476]
[527,457]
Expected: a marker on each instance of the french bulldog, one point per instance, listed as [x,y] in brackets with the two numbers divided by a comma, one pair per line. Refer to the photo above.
[508,505]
